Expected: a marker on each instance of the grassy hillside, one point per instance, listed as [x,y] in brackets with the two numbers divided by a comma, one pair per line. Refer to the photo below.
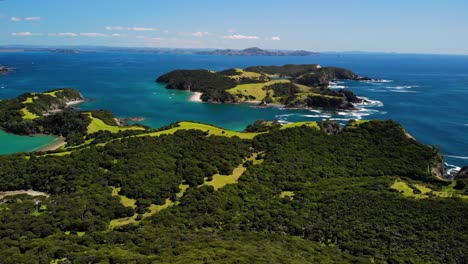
[198,193]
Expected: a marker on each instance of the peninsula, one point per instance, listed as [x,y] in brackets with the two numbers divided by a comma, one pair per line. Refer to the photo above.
[51,113]
[295,86]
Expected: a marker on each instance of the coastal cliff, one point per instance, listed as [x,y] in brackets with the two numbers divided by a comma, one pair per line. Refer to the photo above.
[290,85]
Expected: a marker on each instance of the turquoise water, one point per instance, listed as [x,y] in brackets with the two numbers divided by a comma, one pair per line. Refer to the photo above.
[10,143]
[428,94]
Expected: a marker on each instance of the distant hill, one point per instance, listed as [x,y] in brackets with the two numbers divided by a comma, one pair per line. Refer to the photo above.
[257,52]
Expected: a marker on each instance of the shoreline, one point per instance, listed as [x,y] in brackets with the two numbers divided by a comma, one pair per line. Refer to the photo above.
[76,102]
[54,145]
[196,97]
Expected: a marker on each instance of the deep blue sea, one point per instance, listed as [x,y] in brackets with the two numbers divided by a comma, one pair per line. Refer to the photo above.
[428,94]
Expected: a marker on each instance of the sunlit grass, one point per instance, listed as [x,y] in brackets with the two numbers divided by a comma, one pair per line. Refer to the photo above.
[311,124]
[255,89]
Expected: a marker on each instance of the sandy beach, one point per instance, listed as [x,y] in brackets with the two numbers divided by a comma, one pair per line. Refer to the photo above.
[195,97]
[54,145]
[75,102]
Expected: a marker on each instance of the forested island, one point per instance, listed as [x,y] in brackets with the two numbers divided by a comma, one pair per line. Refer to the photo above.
[257,52]
[296,86]
[4,70]
[306,192]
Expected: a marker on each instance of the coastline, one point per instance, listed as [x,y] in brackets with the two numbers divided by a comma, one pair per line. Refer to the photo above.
[75,102]
[54,145]
[195,97]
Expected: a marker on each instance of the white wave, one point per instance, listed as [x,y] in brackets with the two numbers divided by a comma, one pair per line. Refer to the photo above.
[317,116]
[402,87]
[316,111]
[378,81]
[465,125]
[457,157]
[383,81]
[340,119]
[403,91]
[337,86]
[452,170]
[370,102]
[284,115]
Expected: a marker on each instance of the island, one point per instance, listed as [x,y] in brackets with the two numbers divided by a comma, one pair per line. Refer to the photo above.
[294,86]
[257,52]
[4,70]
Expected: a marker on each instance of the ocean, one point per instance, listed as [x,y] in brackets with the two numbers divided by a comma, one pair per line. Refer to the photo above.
[428,94]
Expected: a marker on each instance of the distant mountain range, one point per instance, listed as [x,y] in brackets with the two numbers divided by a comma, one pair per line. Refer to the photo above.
[257,52]
[254,51]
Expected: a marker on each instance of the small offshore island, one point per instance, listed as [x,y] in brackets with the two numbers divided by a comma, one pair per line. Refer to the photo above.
[4,70]
[292,86]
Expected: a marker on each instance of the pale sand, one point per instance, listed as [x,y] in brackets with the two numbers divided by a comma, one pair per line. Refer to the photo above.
[196,97]
[75,102]
[28,192]
[54,145]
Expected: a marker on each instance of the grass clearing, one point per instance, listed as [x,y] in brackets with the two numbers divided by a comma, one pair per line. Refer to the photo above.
[212,130]
[311,124]
[153,209]
[27,114]
[424,192]
[99,125]
[254,89]
[125,201]
[53,93]
[245,74]
[219,181]
[287,194]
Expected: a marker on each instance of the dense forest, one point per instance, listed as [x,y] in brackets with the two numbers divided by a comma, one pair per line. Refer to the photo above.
[292,85]
[316,193]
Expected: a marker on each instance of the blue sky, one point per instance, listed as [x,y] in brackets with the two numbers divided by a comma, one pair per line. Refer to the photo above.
[410,26]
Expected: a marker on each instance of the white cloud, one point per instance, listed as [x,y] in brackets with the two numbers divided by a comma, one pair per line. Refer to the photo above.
[32,18]
[115,28]
[241,37]
[67,34]
[141,29]
[131,28]
[18,19]
[116,35]
[199,34]
[26,34]
[93,34]
[276,38]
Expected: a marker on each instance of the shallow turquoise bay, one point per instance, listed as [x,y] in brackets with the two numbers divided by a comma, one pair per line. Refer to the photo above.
[427,94]
[10,143]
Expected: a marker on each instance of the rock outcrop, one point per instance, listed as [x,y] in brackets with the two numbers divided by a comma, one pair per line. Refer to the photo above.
[462,174]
